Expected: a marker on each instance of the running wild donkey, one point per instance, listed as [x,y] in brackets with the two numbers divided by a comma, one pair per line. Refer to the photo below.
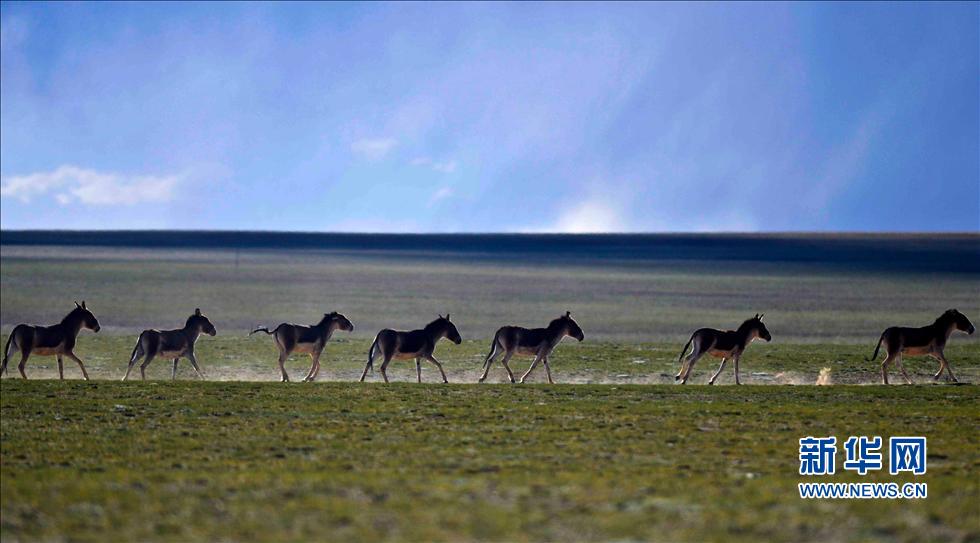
[417,344]
[58,340]
[311,340]
[171,344]
[536,342]
[723,345]
[928,340]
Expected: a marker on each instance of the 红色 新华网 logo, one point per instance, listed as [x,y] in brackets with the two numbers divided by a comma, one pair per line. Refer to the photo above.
[863,454]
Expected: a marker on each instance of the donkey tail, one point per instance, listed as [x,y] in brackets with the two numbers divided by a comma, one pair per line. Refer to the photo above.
[874,356]
[139,340]
[686,345]
[370,362]
[6,350]
[493,349]
[262,329]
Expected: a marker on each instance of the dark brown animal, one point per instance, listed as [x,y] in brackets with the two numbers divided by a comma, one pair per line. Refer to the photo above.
[417,344]
[721,344]
[926,341]
[536,342]
[171,344]
[58,340]
[311,340]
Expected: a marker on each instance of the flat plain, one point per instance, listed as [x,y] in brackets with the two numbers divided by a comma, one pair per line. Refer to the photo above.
[615,451]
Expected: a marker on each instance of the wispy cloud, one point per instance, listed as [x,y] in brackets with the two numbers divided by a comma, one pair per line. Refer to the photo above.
[69,184]
[373,148]
[448,166]
[439,195]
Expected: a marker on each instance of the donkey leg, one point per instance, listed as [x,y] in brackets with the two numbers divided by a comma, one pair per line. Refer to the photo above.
[283,376]
[146,362]
[384,367]
[901,367]
[173,375]
[80,365]
[137,354]
[316,371]
[313,364]
[717,373]
[61,368]
[692,359]
[418,368]
[737,357]
[507,366]
[193,359]
[884,368]
[529,370]
[489,362]
[547,369]
[438,365]
[24,354]
[949,369]
[370,363]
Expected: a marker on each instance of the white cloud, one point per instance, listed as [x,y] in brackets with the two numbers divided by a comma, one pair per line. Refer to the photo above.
[448,166]
[373,149]
[590,217]
[593,216]
[73,184]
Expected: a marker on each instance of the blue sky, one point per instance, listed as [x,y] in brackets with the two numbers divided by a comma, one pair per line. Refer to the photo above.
[491,117]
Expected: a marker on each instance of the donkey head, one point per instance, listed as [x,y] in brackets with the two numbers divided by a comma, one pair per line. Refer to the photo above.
[960,321]
[86,317]
[574,330]
[451,332]
[343,323]
[756,324]
[202,323]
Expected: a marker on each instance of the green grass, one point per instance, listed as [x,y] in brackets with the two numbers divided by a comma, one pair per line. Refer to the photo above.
[338,461]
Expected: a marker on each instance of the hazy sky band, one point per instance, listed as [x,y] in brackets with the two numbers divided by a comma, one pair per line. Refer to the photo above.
[491,117]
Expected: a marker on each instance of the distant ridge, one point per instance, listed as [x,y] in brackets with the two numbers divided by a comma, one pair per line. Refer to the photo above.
[958,253]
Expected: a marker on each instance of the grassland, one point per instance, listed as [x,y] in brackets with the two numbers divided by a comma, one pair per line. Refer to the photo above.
[610,453]
[337,461]
[619,301]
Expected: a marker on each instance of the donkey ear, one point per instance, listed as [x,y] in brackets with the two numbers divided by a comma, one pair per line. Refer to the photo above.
[761,315]
[447,316]
[568,313]
[76,304]
[83,304]
[197,311]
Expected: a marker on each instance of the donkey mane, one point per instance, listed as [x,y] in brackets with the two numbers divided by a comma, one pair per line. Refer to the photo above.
[748,324]
[73,314]
[436,324]
[556,323]
[948,316]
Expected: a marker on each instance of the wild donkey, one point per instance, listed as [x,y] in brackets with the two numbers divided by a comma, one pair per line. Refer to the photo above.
[417,344]
[311,340]
[171,344]
[536,342]
[723,345]
[58,340]
[928,340]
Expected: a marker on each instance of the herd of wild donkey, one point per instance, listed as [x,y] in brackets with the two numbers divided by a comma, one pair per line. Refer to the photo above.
[59,340]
